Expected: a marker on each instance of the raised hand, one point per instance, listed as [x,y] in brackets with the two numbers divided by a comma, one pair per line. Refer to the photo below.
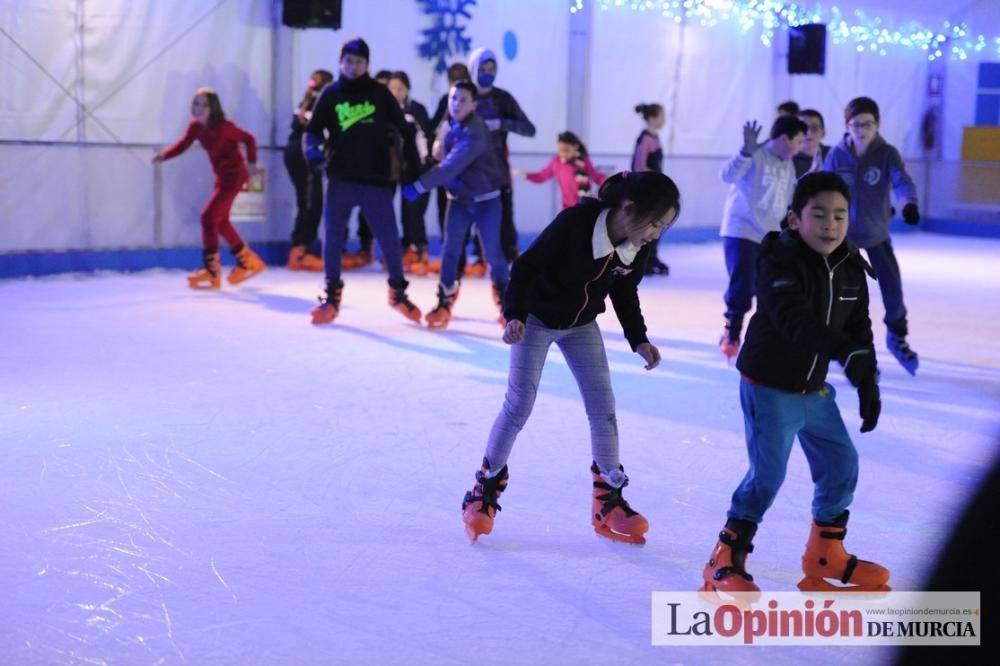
[751,130]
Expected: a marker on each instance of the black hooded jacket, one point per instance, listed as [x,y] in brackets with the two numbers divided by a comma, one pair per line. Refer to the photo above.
[810,309]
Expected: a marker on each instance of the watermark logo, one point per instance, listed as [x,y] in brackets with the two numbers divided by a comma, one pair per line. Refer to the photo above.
[816,618]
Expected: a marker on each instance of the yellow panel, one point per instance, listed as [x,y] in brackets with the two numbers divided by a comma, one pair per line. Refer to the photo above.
[981,144]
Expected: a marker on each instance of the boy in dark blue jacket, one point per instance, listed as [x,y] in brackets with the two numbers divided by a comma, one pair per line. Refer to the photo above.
[873,168]
[812,307]
[473,177]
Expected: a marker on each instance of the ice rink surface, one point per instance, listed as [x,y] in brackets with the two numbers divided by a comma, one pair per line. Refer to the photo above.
[206,478]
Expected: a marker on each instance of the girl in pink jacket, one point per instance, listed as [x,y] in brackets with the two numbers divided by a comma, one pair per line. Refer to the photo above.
[572,170]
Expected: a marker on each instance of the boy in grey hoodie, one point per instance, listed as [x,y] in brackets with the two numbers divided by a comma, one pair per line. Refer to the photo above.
[762,180]
[873,168]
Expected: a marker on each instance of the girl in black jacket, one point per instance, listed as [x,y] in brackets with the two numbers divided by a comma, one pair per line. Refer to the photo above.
[557,288]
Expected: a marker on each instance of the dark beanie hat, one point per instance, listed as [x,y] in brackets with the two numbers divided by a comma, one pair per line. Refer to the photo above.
[860,105]
[355,46]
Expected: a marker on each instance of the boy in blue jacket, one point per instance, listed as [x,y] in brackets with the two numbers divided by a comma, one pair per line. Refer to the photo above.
[473,177]
[872,168]
[812,307]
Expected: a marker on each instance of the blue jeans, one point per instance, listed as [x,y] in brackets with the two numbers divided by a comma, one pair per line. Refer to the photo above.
[460,216]
[741,263]
[772,419]
[883,260]
[583,348]
[376,204]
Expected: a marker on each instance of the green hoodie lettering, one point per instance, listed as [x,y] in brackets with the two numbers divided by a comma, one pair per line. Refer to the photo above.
[349,114]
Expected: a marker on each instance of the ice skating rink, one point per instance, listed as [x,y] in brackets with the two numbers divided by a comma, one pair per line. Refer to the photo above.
[206,478]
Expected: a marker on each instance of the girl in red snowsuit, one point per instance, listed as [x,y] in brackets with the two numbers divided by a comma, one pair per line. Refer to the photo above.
[221,139]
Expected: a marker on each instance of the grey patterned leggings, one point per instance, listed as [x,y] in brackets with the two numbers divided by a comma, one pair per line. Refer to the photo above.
[583,348]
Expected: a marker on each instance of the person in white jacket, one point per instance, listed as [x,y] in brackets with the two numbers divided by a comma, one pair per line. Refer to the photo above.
[761,182]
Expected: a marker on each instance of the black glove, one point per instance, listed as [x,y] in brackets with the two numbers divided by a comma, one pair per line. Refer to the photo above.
[910,213]
[870,404]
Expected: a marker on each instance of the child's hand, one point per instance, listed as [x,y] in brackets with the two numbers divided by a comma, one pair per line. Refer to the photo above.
[410,192]
[157,158]
[519,173]
[493,124]
[649,353]
[869,404]
[750,133]
[911,214]
[513,332]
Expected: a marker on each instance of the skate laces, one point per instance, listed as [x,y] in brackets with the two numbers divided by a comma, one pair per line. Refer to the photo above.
[397,296]
[612,498]
[489,490]
[740,546]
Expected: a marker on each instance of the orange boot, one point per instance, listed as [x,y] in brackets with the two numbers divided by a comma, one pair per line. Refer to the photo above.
[434,266]
[329,306]
[410,255]
[441,314]
[208,276]
[480,504]
[478,269]
[611,515]
[419,265]
[399,302]
[826,558]
[248,264]
[299,259]
[725,570]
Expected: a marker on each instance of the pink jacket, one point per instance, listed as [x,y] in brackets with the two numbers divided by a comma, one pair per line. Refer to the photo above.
[565,174]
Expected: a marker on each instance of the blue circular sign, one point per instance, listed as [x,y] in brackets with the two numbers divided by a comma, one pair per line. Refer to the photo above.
[510,45]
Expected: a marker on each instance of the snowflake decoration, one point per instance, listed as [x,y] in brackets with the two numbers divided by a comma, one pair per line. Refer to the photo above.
[446,37]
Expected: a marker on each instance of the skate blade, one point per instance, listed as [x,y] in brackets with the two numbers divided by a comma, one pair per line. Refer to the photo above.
[204,287]
[742,600]
[633,539]
[810,584]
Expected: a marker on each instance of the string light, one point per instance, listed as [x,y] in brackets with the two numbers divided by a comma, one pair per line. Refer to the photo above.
[865,33]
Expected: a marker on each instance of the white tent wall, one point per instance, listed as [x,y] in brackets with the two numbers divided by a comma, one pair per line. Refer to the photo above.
[134,66]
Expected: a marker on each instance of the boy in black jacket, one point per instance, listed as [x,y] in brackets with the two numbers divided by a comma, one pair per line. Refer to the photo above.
[812,307]
[557,288]
[361,126]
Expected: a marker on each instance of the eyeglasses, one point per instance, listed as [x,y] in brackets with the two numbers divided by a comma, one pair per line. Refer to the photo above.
[868,124]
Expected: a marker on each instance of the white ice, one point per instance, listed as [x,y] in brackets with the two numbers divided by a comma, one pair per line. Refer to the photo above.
[207,478]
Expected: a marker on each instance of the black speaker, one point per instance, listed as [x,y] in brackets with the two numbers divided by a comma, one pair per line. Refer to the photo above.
[807,49]
[311,13]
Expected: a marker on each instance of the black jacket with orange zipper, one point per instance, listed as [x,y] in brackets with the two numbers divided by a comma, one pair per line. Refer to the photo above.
[810,309]
[558,280]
